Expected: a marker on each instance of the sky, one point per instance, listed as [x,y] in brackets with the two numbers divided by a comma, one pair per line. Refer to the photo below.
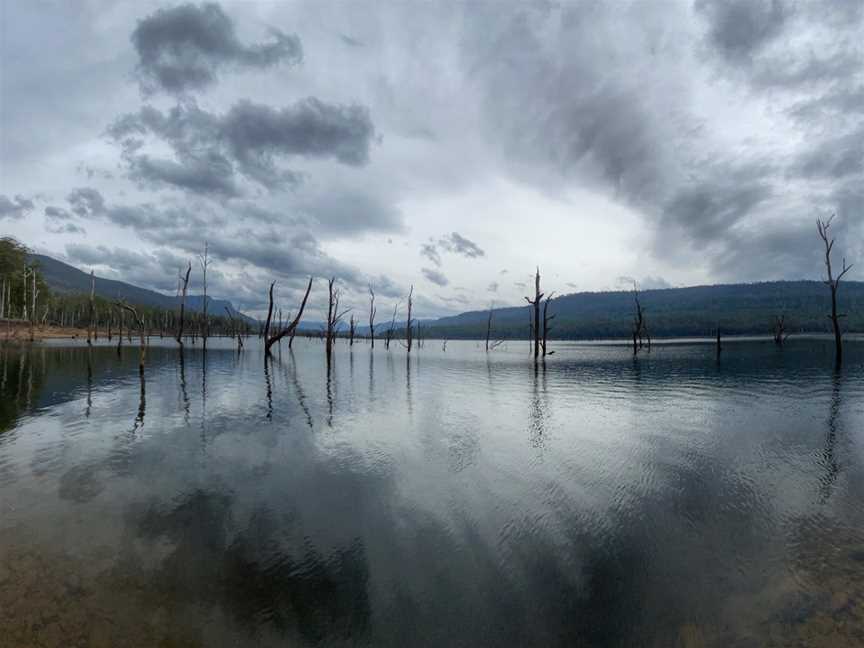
[449,146]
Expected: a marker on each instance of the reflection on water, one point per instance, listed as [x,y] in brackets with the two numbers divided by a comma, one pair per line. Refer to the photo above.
[453,498]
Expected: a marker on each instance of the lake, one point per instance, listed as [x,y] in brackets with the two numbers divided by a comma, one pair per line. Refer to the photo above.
[456,498]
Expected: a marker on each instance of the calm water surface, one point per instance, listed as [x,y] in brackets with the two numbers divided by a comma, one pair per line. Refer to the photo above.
[456,499]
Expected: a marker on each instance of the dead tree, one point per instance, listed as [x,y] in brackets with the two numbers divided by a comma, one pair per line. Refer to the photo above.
[120,328]
[92,309]
[352,326]
[334,317]
[833,284]
[392,330]
[372,312]
[409,323]
[183,284]
[779,330]
[270,340]
[535,303]
[640,329]
[719,346]
[489,325]
[142,355]
[235,329]
[546,328]
[204,260]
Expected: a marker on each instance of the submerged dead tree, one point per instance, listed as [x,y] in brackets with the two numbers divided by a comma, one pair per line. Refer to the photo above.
[270,340]
[334,317]
[142,355]
[235,328]
[779,330]
[352,327]
[388,336]
[205,262]
[489,343]
[91,309]
[409,323]
[640,328]
[833,284]
[182,285]
[372,312]
[546,328]
[535,303]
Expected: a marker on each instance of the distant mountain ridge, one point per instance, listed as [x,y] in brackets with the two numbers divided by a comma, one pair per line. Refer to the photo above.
[64,278]
[738,309]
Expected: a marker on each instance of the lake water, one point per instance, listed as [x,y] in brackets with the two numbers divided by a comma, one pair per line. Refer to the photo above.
[454,499]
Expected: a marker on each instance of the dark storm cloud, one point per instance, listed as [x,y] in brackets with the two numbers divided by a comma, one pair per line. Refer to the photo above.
[705,210]
[435,277]
[57,213]
[458,244]
[345,211]
[208,174]
[86,201]
[841,101]
[738,29]
[249,139]
[834,158]
[14,208]
[429,251]
[65,228]
[453,243]
[184,48]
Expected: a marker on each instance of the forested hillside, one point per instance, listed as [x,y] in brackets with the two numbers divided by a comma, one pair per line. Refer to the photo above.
[694,311]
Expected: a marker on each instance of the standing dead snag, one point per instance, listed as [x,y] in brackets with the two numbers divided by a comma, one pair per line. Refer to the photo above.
[235,328]
[372,311]
[409,322]
[92,309]
[334,317]
[640,328]
[204,260]
[834,284]
[546,328]
[538,296]
[390,331]
[779,330]
[182,285]
[269,340]
[140,322]
[352,326]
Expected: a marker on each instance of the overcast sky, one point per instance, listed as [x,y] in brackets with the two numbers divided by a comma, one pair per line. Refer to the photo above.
[452,146]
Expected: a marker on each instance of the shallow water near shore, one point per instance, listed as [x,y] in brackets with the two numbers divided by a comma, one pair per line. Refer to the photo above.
[454,498]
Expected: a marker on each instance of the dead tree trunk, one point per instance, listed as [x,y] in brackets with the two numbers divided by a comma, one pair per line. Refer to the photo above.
[639,326]
[205,262]
[184,286]
[409,335]
[779,330]
[334,316]
[489,325]
[352,326]
[269,340]
[92,309]
[392,329]
[235,329]
[372,311]
[142,355]
[833,284]
[546,328]
[719,346]
[538,296]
